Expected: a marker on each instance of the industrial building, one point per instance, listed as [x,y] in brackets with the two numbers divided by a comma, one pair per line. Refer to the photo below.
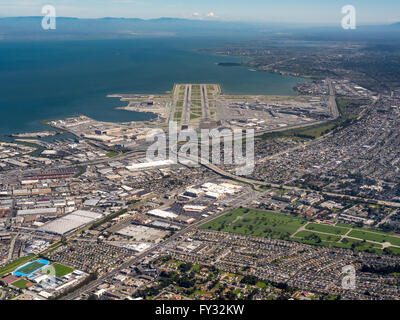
[37,212]
[162,214]
[70,222]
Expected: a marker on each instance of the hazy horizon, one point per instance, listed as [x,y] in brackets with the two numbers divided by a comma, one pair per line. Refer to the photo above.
[308,12]
[260,23]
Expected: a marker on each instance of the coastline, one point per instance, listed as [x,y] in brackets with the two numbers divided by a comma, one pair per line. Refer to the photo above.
[158,113]
[24,113]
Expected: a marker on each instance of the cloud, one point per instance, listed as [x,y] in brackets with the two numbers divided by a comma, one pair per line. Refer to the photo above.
[202,16]
[394,20]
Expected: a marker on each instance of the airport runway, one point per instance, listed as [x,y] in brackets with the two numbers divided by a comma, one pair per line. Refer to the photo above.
[186,106]
[204,103]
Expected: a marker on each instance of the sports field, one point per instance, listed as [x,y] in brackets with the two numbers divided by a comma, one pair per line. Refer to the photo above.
[21,283]
[11,266]
[30,267]
[60,269]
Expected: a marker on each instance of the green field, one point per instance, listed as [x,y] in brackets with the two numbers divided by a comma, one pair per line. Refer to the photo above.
[31,267]
[374,236]
[394,250]
[13,265]
[327,229]
[256,223]
[178,115]
[307,236]
[361,243]
[60,269]
[344,225]
[348,114]
[25,259]
[21,283]
[112,154]
[281,226]
[316,131]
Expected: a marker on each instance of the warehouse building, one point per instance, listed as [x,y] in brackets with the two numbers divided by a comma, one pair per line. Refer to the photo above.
[162,214]
[37,212]
[70,222]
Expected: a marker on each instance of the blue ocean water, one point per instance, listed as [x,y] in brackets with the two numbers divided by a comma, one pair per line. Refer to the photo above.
[49,80]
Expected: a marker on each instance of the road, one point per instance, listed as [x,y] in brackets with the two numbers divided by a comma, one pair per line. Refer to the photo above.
[387,218]
[227,174]
[16,174]
[11,249]
[223,173]
[254,182]
[219,171]
[185,120]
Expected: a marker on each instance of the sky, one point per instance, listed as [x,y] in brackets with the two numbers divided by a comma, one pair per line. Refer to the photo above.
[282,11]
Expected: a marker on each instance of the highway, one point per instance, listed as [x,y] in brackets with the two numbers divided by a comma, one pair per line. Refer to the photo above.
[245,201]
[185,120]
[204,162]
[229,175]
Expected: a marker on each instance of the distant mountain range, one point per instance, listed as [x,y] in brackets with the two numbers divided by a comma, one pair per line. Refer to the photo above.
[30,27]
[75,28]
